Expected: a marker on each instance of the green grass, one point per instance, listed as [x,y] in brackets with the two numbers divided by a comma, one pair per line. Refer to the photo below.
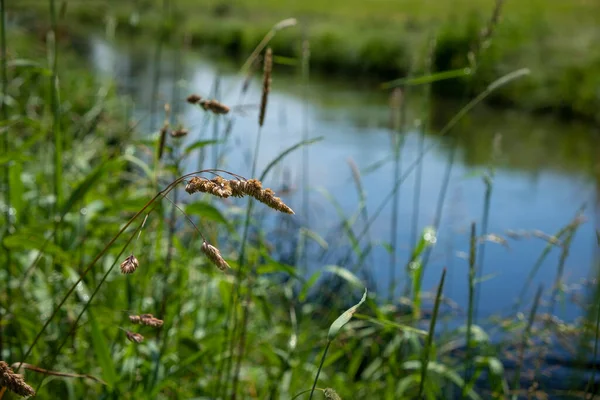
[380,39]
[71,311]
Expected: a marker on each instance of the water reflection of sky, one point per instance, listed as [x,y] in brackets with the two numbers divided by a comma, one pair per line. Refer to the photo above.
[530,190]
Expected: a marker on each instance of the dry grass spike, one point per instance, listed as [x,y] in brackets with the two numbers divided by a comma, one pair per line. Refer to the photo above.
[134,337]
[215,256]
[146,319]
[194,99]
[180,132]
[14,382]
[224,188]
[268,68]
[129,265]
[214,106]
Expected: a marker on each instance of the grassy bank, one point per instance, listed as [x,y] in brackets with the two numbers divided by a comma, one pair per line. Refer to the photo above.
[384,39]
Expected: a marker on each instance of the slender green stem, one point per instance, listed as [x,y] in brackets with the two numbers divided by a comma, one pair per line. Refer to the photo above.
[55,104]
[241,277]
[305,154]
[526,336]
[484,228]
[470,309]
[312,391]
[398,145]
[6,172]
[430,335]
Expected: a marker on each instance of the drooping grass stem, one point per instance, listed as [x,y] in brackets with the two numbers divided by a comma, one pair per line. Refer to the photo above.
[6,170]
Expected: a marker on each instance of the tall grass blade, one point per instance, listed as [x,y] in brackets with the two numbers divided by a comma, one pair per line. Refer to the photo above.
[430,335]
[526,336]
[471,307]
[334,330]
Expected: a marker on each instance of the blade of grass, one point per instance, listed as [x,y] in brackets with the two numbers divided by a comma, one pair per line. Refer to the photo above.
[430,335]
[526,336]
[334,330]
[470,309]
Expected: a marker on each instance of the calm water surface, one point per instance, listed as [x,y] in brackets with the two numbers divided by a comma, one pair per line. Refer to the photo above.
[545,170]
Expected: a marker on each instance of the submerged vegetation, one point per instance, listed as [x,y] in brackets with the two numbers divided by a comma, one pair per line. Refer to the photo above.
[205,306]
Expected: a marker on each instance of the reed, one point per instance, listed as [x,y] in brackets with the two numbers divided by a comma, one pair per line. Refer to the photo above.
[14,382]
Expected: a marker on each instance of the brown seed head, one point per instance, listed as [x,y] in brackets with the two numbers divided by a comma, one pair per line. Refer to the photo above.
[214,106]
[177,133]
[134,337]
[129,265]
[217,186]
[194,99]
[153,322]
[268,68]
[14,382]
[135,319]
[214,255]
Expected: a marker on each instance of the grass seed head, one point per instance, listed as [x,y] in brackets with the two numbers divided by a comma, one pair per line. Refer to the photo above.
[214,255]
[14,382]
[129,265]
[134,337]
[268,68]
[331,394]
[194,99]
[180,132]
[214,106]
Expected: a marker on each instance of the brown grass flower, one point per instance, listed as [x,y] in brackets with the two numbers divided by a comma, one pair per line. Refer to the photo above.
[268,68]
[134,337]
[129,265]
[221,187]
[146,319]
[194,99]
[215,256]
[14,382]
[180,132]
[214,106]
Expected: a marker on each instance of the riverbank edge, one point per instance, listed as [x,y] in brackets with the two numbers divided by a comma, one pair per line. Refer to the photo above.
[568,93]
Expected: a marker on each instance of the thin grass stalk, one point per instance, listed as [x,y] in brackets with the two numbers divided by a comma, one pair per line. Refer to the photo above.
[484,229]
[87,304]
[470,309]
[526,336]
[268,67]
[398,144]
[54,101]
[430,335]
[538,263]
[305,71]
[312,391]
[6,175]
[216,122]
[92,263]
[566,246]
[419,166]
